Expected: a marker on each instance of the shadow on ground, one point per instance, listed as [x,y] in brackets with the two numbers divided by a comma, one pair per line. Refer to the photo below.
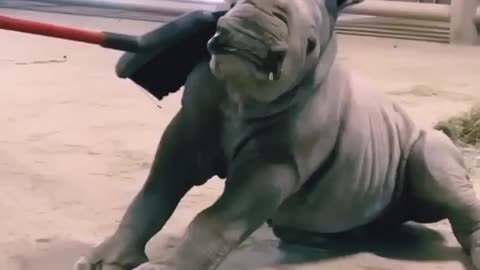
[263,251]
[408,243]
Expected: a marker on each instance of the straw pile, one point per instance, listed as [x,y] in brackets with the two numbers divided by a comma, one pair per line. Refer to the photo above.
[463,129]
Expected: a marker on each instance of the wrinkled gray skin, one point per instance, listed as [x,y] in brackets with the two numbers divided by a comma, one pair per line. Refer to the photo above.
[299,144]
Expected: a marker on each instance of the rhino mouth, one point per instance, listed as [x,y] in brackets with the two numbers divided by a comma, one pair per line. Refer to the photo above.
[267,60]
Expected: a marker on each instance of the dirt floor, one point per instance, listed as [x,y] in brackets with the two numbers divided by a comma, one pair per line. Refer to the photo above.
[76,144]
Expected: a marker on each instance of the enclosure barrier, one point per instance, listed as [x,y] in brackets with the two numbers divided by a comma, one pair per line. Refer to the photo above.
[463,16]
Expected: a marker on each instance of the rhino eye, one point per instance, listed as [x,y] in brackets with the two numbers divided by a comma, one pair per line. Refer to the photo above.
[311,45]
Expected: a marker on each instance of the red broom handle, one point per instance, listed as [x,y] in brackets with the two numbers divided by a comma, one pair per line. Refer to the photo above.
[45,29]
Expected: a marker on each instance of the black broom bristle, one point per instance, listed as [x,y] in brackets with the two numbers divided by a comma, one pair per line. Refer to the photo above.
[176,48]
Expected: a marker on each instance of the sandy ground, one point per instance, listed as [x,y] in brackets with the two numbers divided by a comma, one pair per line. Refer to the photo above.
[76,144]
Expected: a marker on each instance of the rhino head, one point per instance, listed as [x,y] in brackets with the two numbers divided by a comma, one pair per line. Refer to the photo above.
[263,48]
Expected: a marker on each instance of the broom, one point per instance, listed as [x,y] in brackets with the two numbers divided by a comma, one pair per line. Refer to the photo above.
[159,61]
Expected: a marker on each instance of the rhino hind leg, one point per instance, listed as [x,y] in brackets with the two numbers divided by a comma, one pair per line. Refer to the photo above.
[439,186]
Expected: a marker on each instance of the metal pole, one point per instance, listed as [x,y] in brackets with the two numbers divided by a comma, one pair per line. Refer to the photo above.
[164,7]
[463,29]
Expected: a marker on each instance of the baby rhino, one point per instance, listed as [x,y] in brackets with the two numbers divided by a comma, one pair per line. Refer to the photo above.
[300,144]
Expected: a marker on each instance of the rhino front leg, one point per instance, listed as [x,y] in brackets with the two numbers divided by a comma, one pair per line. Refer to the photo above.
[256,185]
[439,183]
[181,161]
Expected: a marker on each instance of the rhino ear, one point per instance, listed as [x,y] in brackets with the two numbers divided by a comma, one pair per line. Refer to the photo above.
[341,4]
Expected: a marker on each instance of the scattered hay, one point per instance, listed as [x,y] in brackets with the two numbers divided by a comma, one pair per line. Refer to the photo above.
[463,129]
